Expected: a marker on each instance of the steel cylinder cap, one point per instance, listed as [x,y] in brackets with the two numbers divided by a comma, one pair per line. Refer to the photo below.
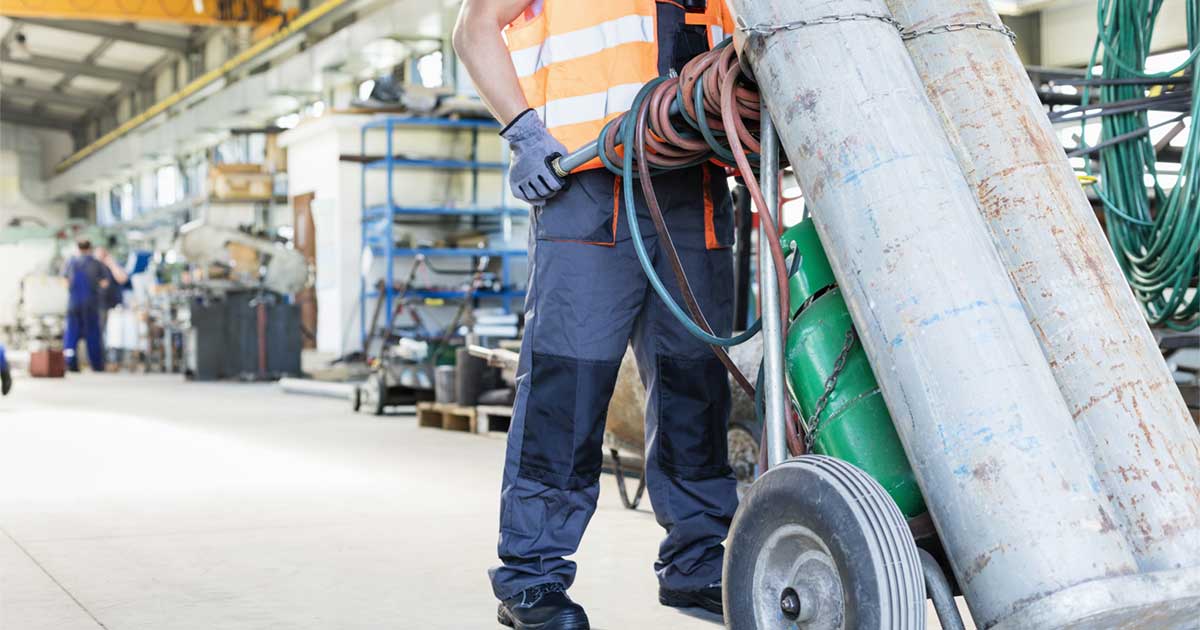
[814,273]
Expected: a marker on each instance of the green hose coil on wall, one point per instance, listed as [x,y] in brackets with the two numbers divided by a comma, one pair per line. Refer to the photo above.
[1156,242]
[854,424]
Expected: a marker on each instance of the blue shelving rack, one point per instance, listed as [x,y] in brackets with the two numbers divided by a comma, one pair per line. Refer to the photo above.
[383,242]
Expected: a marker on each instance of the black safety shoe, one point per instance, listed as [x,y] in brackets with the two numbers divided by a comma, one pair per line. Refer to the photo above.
[708,598]
[542,607]
[5,382]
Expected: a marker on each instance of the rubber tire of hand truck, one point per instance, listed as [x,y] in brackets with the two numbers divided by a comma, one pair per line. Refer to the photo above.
[356,398]
[817,543]
[378,385]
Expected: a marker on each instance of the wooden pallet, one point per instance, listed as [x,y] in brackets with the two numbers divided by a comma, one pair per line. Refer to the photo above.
[446,416]
[493,418]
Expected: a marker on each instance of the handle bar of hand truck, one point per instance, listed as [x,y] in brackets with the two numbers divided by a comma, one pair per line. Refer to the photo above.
[562,165]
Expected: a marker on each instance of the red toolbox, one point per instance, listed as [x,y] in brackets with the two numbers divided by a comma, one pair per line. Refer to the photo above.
[47,363]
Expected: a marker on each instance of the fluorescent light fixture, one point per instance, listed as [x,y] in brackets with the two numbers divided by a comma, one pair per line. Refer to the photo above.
[288,121]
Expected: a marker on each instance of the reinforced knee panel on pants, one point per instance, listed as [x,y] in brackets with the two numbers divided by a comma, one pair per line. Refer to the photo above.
[694,403]
[564,420]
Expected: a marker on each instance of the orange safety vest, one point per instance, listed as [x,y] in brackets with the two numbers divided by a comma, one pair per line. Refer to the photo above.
[581,64]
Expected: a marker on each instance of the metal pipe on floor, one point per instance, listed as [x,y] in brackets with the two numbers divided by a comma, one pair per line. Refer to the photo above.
[768,291]
[343,391]
[1010,487]
[1105,360]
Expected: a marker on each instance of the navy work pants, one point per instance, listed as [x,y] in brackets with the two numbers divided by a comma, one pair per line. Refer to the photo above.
[585,304]
[84,323]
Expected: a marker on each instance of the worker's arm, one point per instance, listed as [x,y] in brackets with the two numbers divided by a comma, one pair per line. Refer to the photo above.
[116,271]
[119,275]
[480,46]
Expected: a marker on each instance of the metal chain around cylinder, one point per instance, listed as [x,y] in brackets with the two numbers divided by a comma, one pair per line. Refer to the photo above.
[908,34]
[767,29]
[771,29]
[814,422]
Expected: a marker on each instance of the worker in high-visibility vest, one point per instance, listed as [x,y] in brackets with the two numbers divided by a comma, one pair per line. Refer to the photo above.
[553,72]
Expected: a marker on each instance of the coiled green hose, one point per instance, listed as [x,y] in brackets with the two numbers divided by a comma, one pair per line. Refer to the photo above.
[1157,245]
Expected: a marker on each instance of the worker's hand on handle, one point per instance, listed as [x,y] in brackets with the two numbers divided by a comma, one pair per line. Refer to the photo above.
[531,175]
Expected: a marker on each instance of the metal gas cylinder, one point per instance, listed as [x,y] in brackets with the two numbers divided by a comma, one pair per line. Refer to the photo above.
[854,424]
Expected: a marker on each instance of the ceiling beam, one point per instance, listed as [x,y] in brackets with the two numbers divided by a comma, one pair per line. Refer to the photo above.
[90,59]
[29,119]
[112,101]
[50,96]
[67,66]
[120,32]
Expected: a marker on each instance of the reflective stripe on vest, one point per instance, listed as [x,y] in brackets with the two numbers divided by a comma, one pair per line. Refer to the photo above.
[584,42]
[716,35]
[580,64]
[573,110]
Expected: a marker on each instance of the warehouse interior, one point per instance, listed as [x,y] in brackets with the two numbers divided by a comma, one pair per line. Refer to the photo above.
[270,272]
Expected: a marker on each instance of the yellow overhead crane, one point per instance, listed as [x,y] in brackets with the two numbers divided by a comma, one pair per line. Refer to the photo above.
[196,12]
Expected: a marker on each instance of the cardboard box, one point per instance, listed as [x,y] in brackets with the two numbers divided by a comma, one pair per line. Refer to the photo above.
[47,363]
[239,182]
[244,259]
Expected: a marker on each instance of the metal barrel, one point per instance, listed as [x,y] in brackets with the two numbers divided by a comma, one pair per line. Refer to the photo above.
[825,362]
[1008,483]
[1125,404]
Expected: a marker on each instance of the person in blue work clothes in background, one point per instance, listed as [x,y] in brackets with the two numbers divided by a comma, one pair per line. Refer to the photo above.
[5,373]
[87,281]
[553,72]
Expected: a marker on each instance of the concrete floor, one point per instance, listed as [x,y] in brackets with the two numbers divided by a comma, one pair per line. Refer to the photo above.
[143,502]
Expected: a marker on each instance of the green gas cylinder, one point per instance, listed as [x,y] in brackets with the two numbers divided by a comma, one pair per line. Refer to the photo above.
[854,424]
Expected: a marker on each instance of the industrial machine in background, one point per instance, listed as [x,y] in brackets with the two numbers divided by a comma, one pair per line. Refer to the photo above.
[241,334]
[236,315]
[223,257]
[33,296]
